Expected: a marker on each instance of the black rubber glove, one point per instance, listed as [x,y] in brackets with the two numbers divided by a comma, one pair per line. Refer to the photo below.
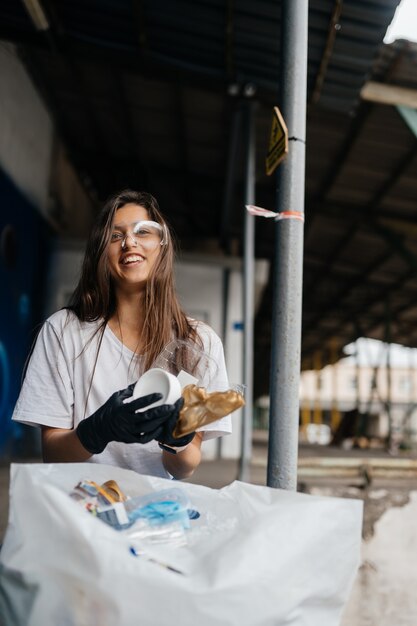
[166,439]
[118,421]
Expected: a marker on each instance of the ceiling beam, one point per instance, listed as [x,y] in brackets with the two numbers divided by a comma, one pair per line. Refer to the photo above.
[139,21]
[183,140]
[234,127]
[118,93]
[334,27]
[381,93]
[366,214]
[149,65]
[347,288]
[379,320]
[351,135]
[392,179]
[37,14]
[396,245]
[378,226]
[229,39]
[346,147]
[351,314]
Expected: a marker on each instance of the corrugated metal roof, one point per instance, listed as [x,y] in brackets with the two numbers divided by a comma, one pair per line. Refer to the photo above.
[220,40]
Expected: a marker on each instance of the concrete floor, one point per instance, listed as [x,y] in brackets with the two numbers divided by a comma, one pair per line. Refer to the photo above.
[384,590]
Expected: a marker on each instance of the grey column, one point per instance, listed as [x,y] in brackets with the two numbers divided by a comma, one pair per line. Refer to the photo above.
[226,217]
[288,264]
[248,294]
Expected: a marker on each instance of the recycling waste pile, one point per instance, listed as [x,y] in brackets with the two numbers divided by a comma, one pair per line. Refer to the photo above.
[96,544]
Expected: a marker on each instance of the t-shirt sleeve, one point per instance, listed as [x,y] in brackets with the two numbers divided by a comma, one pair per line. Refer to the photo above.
[47,397]
[215,379]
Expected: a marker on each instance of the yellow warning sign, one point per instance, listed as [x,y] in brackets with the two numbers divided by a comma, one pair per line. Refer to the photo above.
[278,142]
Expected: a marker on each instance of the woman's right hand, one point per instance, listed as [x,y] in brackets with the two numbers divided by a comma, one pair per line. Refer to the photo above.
[117,420]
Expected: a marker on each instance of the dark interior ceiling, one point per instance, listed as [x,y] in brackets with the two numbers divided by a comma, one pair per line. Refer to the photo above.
[146,94]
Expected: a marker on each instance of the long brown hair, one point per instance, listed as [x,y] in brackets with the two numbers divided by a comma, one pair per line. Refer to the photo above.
[94,297]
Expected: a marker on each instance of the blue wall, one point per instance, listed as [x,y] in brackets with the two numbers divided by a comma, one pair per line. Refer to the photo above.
[23,268]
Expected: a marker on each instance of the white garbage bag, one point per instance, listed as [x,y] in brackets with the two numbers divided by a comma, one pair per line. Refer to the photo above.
[255,557]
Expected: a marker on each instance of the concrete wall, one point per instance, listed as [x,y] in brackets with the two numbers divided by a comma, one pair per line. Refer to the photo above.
[200,288]
[33,156]
[26,131]
[40,194]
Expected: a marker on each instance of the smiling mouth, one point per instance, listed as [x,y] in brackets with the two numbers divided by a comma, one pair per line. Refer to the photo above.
[131,259]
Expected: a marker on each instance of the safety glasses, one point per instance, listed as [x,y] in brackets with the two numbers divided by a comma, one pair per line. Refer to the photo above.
[147,233]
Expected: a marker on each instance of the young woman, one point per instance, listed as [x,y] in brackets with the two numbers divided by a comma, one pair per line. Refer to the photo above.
[87,358]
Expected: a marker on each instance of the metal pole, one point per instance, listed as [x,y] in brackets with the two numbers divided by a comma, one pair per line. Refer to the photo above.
[286,321]
[388,403]
[248,294]
[230,182]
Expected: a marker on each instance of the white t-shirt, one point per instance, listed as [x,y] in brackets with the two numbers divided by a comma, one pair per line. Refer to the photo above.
[56,390]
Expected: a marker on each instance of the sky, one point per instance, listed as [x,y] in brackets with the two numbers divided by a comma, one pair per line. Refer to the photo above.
[404,24]
[371,352]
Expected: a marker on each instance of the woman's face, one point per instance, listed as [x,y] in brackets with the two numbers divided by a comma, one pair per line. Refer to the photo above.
[134,246]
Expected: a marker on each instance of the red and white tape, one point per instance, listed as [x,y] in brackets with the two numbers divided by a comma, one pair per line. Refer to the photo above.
[283,215]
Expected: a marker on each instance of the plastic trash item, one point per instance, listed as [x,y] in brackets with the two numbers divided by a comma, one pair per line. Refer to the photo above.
[160,516]
[157,380]
[187,361]
[160,507]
